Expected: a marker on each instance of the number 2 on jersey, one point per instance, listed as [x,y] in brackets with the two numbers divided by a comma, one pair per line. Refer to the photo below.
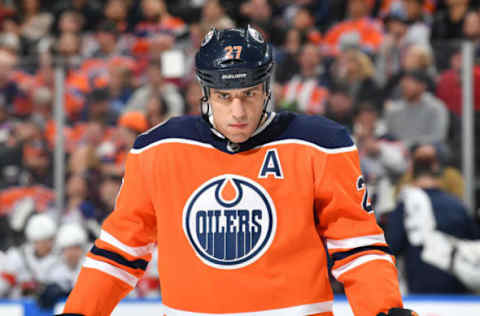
[362,185]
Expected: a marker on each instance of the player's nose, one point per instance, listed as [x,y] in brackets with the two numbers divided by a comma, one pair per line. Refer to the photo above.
[238,109]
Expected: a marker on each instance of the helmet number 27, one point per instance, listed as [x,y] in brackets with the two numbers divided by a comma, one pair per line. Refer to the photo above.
[233,52]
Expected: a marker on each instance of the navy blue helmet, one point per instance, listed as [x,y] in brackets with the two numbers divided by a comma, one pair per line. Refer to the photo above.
[233,59]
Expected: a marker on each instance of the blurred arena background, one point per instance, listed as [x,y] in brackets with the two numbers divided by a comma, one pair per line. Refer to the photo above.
[79,79]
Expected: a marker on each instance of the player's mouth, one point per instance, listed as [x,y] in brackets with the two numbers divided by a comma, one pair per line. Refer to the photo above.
[239,125]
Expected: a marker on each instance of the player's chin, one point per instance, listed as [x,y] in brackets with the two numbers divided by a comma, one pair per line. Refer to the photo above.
[239,137]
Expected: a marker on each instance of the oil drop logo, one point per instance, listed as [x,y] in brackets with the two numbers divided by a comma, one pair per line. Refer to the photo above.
[230,221]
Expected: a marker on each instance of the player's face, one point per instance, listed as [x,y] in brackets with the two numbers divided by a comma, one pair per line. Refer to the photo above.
[236,112]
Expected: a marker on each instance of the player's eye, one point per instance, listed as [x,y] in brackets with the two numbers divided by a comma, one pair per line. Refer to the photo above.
[250,93]
[223,96]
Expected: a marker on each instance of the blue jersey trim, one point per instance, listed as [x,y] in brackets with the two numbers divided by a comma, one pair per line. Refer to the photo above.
[316,130]
[184,127]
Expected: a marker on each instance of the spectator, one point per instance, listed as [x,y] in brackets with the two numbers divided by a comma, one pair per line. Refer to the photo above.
[471,27]
[419,20]
[68,47]
[11,151]
[120,85]
[157,20]
[449,85]
[424,209]
[304,22]
[36,158]
[359,30]
[90,10]
[156,111]
[393,48]
[24,156]
[6,122]
[76,198]
[70,21]
[42,107]
[418,117]
[339,106]
[449,178]
[10,90]
[417,58]
[213,15]
[35,23]
[304,92]
[115,11]
[193,94]
[355,70]
[106,41]
[109,186]
[192,45]
[156,85]
[99,108]
[84,159]
[288,55]
[112,151]
[29,264]
[449,24]
[257,12]
[10,42]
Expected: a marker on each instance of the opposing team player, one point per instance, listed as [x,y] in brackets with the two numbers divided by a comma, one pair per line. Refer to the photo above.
[243,206]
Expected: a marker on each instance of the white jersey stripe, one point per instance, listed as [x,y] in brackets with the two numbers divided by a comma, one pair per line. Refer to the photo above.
[279,142]
[133,251]
[107,268]
[307,309]
[355,242]
[303,142]
[359,261]
[170,141]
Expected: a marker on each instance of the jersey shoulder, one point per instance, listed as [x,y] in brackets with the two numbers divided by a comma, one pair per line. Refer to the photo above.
[317,130]
[181,127]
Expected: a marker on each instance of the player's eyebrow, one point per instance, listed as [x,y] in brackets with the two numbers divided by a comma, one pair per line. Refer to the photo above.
[252,89]
[223,92]
[229,92]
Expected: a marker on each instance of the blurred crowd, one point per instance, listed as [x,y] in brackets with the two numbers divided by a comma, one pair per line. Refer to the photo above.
[388,70]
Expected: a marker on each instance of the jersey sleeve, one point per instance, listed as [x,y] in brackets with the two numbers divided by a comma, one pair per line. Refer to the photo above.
[120,255]
[362,260]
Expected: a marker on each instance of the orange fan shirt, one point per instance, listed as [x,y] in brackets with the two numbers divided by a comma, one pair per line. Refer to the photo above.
[242,228]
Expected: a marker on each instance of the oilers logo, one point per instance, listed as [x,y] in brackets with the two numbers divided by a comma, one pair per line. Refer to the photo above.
[230,221]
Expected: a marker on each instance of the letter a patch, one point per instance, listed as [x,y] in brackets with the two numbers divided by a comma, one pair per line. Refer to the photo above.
[271,165]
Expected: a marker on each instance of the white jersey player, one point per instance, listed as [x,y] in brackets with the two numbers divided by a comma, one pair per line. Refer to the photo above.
[28,266]
[71,242]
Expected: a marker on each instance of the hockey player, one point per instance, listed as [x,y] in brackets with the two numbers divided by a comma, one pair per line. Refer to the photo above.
[27,266]
[243,205]
[71,242]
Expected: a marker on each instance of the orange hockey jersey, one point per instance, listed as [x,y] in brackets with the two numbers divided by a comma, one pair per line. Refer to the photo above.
[242,229]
